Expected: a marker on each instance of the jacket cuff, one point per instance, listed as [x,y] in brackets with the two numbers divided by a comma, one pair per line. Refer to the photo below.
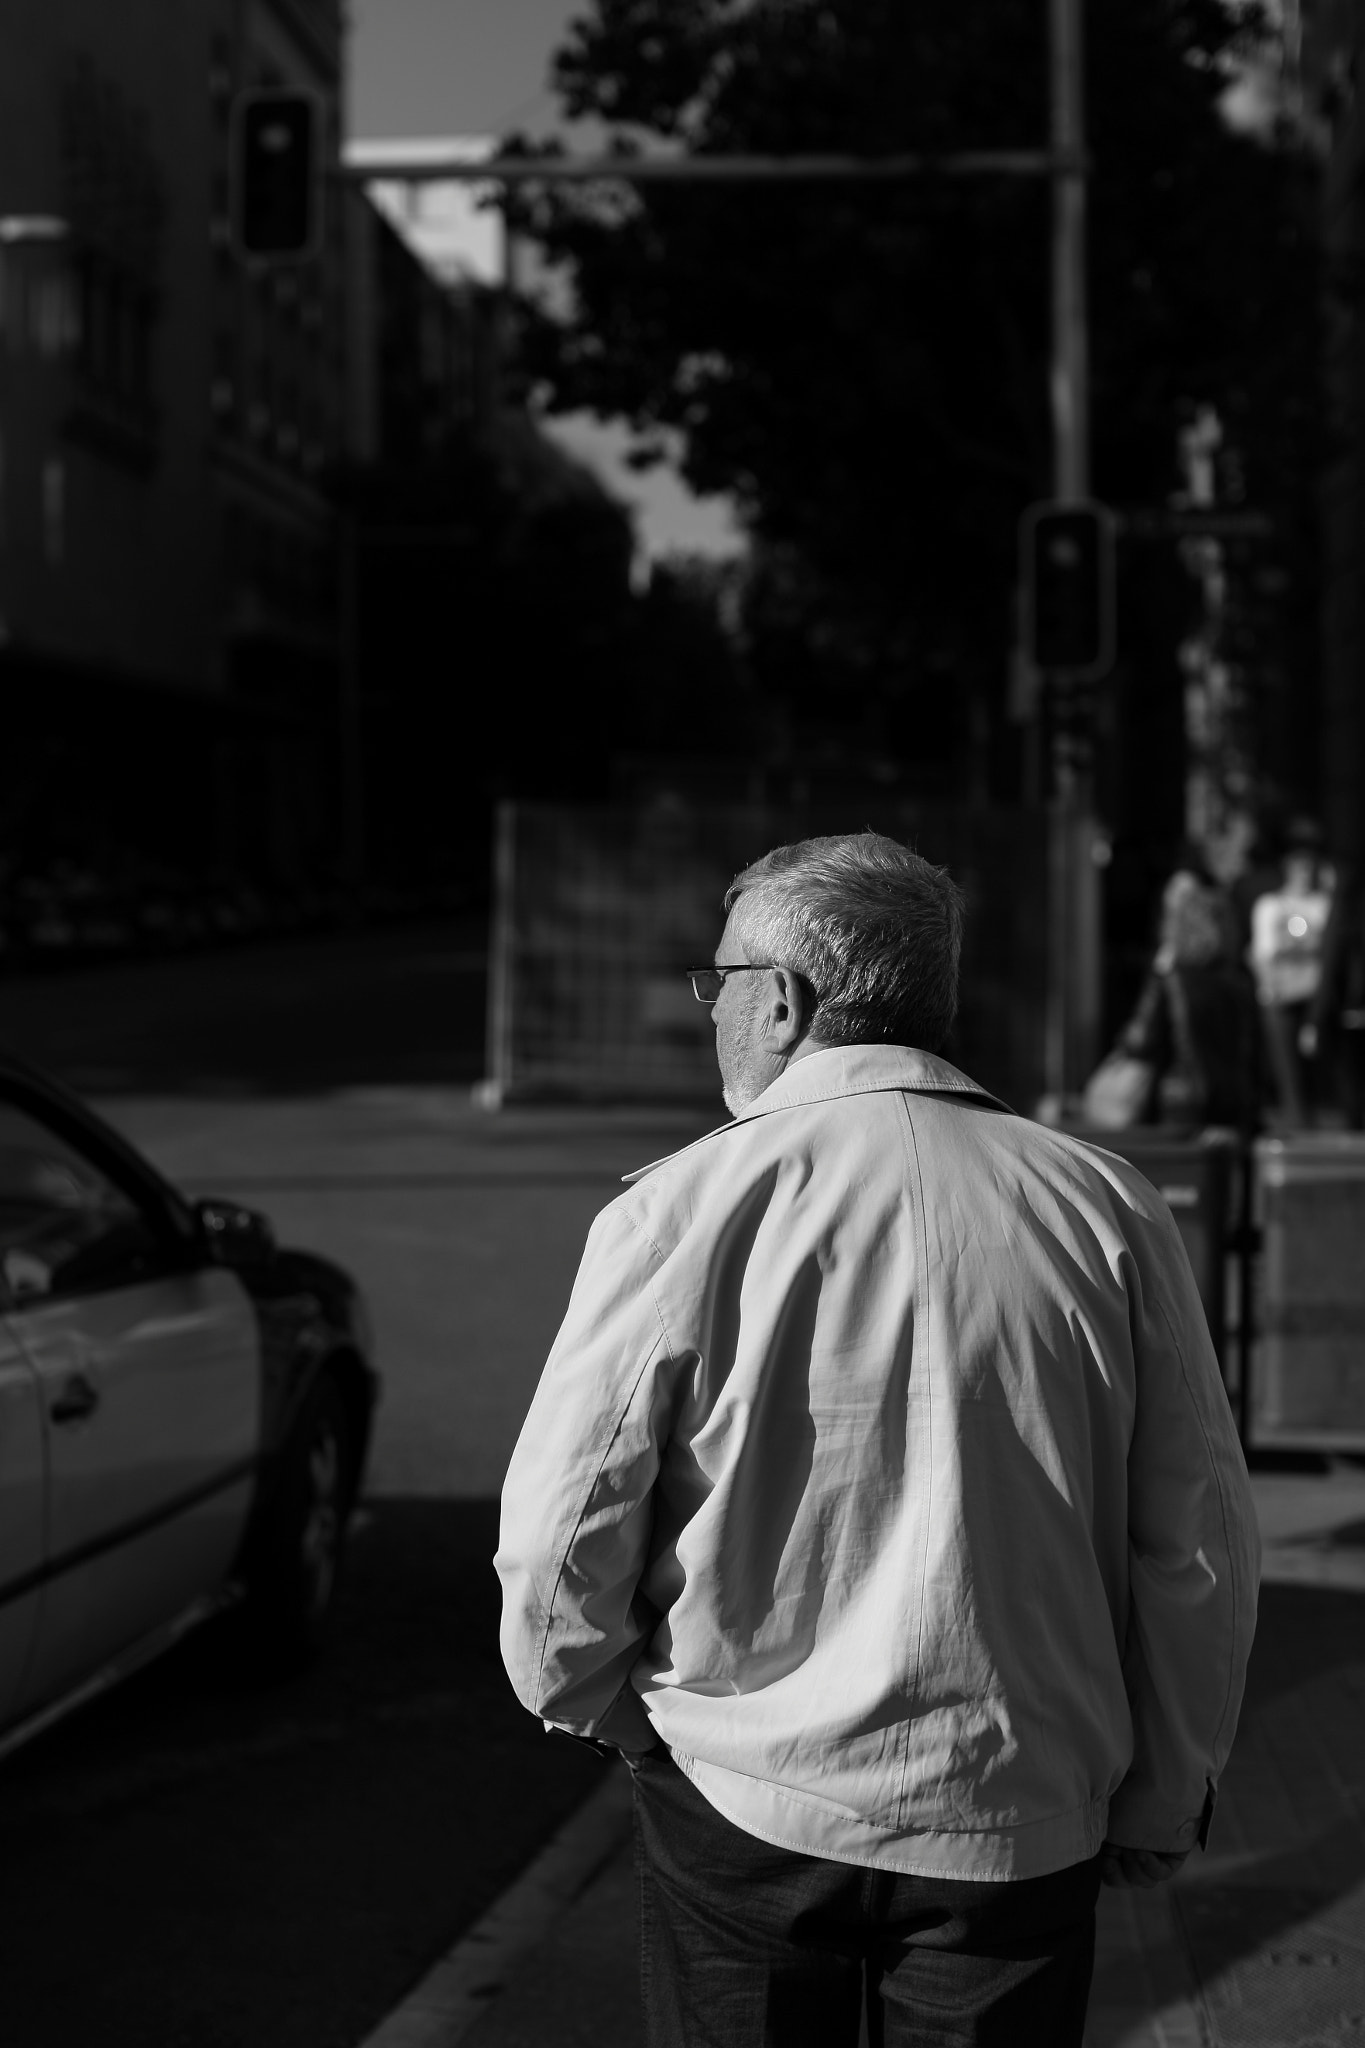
[1137,1820]
[624,1725]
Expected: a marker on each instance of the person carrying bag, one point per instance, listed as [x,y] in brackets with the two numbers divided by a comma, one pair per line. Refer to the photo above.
[1188,1054]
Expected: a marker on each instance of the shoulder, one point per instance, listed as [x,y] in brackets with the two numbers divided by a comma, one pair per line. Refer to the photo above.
[1084,1173]
[753,1158]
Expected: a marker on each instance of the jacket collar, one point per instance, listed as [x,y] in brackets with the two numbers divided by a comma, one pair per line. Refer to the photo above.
[848,1070]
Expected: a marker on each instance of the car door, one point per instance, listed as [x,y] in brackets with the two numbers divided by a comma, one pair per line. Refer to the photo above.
[146,1364]
[21,1512]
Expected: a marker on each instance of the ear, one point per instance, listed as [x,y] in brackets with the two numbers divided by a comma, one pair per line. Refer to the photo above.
[786,1011]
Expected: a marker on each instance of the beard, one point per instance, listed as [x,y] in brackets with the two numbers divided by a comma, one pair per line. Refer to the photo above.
[743,1073]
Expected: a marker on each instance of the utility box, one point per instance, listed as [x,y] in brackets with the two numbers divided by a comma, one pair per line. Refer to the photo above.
[1307,1387]
[1199,1179]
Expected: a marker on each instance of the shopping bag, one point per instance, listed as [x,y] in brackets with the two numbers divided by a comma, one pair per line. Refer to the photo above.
[1118,1092]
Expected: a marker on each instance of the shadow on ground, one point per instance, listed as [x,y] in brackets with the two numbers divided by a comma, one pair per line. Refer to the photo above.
[211,1858]
[397,1005]
[1271,1930]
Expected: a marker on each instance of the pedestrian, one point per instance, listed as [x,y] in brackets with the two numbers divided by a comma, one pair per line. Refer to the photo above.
[1288,925]
[1195,1022]
[1335,1023]
[880,1502]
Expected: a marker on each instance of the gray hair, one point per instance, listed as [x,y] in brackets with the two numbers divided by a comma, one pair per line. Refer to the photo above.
[874,931]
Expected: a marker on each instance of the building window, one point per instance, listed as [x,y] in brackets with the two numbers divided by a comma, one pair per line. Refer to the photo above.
[113,196]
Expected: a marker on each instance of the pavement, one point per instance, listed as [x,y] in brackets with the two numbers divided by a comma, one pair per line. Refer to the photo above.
[1261,1940]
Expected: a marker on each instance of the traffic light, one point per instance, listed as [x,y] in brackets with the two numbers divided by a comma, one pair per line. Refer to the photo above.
[1067,560]
[277,185]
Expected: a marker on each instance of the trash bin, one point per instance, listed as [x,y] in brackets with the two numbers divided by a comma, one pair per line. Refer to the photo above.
[1308,1359]
[1199,1177]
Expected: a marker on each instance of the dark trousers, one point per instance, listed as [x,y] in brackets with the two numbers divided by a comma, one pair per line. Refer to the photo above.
[744,1944]
[1281,1022]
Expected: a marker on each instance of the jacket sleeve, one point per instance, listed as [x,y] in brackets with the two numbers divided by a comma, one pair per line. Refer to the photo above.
[577,1499]
[1194,1563]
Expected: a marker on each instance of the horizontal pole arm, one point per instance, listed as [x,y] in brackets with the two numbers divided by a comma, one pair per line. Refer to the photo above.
[682,170]
[1206,522]
[32,227]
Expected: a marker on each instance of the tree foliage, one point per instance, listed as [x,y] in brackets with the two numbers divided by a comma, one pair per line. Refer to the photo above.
[865,367]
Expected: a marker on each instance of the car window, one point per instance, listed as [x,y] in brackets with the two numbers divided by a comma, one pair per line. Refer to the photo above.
[65,1227]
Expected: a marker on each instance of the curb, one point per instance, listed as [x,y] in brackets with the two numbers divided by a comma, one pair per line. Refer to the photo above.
[459,1988]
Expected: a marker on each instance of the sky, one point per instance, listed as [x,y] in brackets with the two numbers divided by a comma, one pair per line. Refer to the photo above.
[423,68]
[453,67]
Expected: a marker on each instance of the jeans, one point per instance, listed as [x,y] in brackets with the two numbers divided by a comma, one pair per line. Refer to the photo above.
[743,1943]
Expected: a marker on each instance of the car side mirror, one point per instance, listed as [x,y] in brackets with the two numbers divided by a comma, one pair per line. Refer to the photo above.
[233,1235]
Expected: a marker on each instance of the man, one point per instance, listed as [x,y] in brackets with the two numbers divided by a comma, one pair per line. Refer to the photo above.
[881,1503]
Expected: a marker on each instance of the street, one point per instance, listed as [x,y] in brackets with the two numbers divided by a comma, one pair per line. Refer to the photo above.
[388,1004]
[209,1859]
[207,1856]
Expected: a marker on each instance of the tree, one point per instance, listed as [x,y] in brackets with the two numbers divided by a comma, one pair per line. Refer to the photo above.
[507,649]
[865,367]
[495,620]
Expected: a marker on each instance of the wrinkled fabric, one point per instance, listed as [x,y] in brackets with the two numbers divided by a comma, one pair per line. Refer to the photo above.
[882,1470]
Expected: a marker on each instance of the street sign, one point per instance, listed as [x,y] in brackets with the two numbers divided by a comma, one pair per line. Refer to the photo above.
[276,175]
[1067,565]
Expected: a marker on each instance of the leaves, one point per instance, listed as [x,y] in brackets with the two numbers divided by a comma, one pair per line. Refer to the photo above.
[866,366]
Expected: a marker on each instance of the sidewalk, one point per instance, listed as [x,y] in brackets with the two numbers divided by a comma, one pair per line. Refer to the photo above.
[1260,1941]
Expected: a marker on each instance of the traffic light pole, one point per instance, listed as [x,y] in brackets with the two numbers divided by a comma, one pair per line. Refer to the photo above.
[1070,345]
[1074,937]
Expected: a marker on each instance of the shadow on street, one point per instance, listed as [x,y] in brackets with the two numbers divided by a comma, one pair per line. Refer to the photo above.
[391,1005]
[212,1857]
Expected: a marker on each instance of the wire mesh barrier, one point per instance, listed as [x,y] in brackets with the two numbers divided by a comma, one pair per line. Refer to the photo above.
[597,912]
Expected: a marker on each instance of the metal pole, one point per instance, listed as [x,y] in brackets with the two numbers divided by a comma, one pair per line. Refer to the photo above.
[1070,350]
[1073,910]
[368,168]
[362,437]
[351,707]
[493,1091]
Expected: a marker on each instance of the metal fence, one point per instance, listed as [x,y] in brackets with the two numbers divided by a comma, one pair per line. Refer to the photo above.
[598,911]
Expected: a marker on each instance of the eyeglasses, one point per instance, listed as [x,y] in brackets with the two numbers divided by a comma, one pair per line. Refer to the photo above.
[707,982]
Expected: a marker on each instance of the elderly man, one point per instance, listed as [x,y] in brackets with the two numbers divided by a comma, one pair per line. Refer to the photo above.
[881,1503]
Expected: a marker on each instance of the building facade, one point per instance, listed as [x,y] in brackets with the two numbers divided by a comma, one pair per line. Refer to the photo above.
[179,429]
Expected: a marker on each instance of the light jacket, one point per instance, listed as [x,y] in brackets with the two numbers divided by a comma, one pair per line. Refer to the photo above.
[882,1469]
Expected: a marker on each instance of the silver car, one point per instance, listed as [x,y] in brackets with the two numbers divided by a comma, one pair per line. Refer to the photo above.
[185,1411]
